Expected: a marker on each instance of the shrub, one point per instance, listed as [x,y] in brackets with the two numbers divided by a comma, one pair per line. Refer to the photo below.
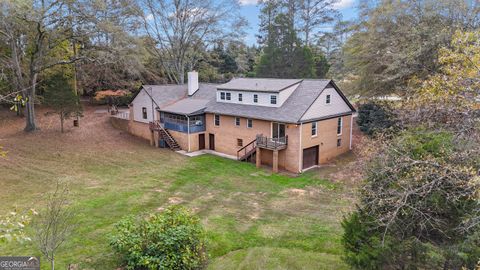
[173,239]
[375,117]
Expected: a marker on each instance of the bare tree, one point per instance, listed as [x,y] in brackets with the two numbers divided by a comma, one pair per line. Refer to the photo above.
[314,14]
[54,224]
[179,28]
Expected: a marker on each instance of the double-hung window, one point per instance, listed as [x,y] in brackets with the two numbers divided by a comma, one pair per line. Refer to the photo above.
[237,121]
[328,99]
[273,99]
[229,96]
[222,95]
[255,98]
[216,120]
[240,97]
[339,126]
[144,112]
[314,129]
[249,123]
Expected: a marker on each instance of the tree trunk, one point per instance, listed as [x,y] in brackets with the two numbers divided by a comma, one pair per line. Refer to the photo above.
[52,263]
[29,108]
[181,74]
[61,121]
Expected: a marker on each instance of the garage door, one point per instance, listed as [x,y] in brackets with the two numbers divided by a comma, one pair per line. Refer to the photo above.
[310,157]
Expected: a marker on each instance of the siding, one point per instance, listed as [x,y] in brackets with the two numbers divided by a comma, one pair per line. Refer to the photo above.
[140,101]
[319,108]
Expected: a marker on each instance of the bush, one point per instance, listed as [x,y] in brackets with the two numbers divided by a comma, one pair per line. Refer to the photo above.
[375,117]
[173,239]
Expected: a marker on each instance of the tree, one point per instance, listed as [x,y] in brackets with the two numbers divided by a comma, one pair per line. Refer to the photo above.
[417,205]
[173,239]
[180,28]
[395,41]
[33,31]
[283,56]
[447,98]
[60,97]
[321,65]
[54,224]
[313,15]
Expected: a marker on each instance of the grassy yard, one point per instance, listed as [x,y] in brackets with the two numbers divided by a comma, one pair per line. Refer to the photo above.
[254,219]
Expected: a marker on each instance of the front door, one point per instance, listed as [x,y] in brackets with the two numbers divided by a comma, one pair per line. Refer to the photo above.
[201,141]
[310,157]
[211,140]
[278,130]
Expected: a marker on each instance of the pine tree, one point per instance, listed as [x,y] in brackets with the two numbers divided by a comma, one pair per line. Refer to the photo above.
[60,97]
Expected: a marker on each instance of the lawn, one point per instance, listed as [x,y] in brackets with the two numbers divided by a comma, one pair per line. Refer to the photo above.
[254,219]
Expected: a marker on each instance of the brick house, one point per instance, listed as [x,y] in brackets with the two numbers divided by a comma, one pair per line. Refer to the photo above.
[289,124]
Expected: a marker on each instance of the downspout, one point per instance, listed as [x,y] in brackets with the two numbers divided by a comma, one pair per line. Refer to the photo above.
[188,132]
[300,149]
[351,128]
[151,98]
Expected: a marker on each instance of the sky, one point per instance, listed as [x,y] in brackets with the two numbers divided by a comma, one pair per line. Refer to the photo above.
[250,11]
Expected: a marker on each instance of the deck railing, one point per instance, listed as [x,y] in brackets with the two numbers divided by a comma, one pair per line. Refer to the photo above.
[272,143]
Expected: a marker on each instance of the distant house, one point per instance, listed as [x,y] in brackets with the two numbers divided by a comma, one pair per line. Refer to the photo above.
[290,124]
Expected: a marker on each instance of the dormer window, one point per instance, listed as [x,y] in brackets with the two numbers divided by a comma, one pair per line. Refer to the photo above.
[222,95]
[273,99]
[240,97]
[255,98]
[229,96]
[328,99]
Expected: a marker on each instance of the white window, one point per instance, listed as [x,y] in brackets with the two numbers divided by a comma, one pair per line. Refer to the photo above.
[339,126]
[240,97]
[237,121]
[222,95]
[255,98]
[229,96]
[216,120]
[144,113]
[273,99]
[249,123]
[328,99]
[314,129]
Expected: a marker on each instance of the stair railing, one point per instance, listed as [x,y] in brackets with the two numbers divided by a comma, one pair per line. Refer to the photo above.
[246,149]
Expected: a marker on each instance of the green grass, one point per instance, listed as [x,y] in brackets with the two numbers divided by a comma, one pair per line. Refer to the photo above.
[254,219]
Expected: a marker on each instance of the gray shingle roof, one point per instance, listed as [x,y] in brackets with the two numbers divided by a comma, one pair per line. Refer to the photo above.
[174,99]
[258,84]
[290,112]
[168,94]
[187,106]
[164,95]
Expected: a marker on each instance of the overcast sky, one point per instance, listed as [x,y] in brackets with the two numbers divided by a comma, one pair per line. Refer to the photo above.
[251,12]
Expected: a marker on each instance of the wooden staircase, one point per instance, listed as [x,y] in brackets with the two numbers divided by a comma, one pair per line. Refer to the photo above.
[165,135]
[248,151]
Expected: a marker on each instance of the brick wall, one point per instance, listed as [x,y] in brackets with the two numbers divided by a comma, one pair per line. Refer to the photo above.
[327,138]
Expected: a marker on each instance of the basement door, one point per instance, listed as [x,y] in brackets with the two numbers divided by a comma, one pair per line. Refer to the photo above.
[310,157]
[201,141]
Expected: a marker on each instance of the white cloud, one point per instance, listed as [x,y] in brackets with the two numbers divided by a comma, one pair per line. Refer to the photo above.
[248,2]
[343,4]
[149,17]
